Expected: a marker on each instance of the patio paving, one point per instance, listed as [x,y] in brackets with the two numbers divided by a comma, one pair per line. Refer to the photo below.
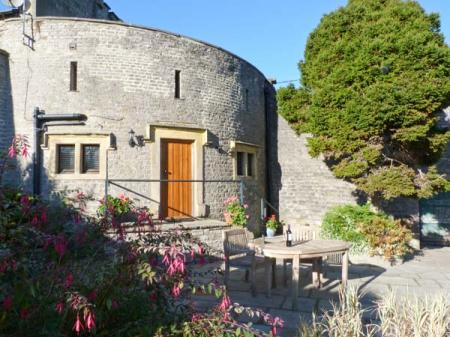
[427,274]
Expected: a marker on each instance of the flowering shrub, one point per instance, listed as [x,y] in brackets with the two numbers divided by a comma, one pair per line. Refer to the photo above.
[116,206]
[235,213]
[367,230]
[19,147]
[272,222]
[62,275]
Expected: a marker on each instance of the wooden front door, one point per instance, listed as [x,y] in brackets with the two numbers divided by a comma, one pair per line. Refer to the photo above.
[176,164]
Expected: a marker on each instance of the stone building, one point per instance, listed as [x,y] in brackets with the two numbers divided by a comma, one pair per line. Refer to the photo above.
[153,105]
[139,105]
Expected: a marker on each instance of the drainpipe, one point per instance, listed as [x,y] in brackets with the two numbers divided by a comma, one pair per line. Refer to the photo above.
[268,144]
[40,124]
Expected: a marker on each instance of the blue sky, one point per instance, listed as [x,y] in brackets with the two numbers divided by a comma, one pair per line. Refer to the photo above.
[269,34]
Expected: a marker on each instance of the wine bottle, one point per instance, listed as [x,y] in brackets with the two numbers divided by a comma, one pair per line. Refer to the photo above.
[289,237]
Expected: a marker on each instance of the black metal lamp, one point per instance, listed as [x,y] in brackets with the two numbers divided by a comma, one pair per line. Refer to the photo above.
[132,138]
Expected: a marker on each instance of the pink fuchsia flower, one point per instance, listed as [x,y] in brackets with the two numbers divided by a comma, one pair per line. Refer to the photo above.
[24,313]
[277,323]
[92,296]
[196,317]
[68,281]
[78,327]
[35,221]
[225,303]
[44,215]
[90,321]
[25,201]
[60,245]
[153,297]
[7,303]
[59,307]
[12,151]
[176,290]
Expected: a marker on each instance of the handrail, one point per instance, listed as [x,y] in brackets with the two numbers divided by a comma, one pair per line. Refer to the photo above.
[264,202]
[236,181]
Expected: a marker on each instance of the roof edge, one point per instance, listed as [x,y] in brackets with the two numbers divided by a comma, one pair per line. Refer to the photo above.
[124,24]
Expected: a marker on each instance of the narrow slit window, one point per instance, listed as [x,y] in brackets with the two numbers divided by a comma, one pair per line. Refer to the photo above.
[250,164]
[246,99]
[66,158]
[91,158]
[240,163]
[73,76]
[177,84]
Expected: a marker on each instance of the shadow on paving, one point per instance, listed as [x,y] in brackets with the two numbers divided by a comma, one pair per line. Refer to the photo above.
[310,301]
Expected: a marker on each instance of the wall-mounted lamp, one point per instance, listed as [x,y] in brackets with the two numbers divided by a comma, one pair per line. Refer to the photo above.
[132,141]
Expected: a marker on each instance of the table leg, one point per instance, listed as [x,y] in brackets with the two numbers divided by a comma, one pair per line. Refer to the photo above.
[317,272]
[274,269]
[345,268]
[268,270]
[295,280]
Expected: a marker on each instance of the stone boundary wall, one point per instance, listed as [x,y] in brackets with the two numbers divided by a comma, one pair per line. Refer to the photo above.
[307,187]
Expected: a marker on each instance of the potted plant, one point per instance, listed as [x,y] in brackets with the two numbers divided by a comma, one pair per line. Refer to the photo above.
[272,224]
[235,213]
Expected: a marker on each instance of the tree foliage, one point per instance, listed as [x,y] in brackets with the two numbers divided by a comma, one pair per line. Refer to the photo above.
[374,76]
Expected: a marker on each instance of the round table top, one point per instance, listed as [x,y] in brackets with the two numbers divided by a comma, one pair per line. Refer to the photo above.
[274,247]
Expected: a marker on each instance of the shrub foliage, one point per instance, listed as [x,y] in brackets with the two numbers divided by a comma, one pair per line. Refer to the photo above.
[374,74]
[365,228]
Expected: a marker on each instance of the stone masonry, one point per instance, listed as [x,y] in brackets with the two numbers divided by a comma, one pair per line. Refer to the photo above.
[126,81]
[307,188]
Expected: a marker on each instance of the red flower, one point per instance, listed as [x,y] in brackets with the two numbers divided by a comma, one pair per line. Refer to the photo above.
[59,307]
[24,313]
[7,303]
[92,295]
[176,290]
[225,303]
[68,281]
[25,201]
[90,321]
[77,327]
[60,245]
[12,151]
[153,297]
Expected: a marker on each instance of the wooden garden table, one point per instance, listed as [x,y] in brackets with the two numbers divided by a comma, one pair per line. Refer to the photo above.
[276,248]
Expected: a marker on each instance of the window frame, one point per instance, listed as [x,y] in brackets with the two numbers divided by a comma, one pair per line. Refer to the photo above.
[59,170]
[246,149]
[50,153]
[83,159]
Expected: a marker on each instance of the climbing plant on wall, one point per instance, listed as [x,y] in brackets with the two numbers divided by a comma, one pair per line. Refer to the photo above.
[374,75]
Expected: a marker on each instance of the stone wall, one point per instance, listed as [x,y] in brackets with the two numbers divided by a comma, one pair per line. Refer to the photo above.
[126,81]
[307,188]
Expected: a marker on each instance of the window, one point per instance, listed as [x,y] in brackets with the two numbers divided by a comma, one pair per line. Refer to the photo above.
[66,158]
[245,164]
[250,163]
[91,158]
[177,84]
[73,76]
[240,163]
[77,156]
[246,98]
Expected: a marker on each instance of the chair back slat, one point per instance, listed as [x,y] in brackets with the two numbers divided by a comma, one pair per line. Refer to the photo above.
[301,233]
[235,241]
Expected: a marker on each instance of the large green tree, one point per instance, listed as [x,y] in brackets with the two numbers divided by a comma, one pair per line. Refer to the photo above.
[374,75]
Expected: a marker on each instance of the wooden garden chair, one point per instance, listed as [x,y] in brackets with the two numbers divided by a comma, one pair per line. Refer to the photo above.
[238,254]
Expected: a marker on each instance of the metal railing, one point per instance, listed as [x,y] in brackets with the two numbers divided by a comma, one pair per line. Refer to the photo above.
[264,204]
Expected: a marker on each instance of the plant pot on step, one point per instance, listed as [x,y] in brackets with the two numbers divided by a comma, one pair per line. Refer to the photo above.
[270,232]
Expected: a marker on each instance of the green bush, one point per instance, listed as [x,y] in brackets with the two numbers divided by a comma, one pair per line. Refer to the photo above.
[367,230]
[342,223]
